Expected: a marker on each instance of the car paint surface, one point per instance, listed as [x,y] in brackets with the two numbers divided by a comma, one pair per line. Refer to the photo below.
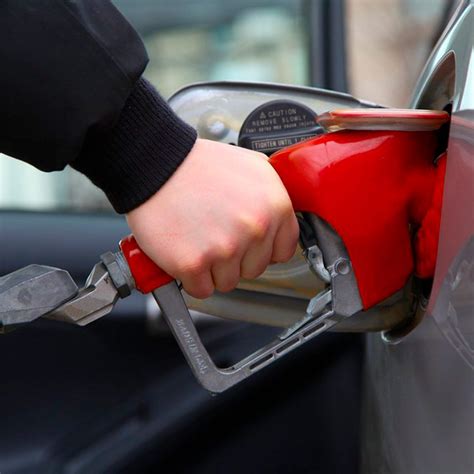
[418,403]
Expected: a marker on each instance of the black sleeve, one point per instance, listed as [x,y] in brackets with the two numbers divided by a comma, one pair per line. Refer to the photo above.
[71,93]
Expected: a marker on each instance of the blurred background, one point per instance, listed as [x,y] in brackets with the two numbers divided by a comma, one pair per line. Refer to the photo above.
[372,49]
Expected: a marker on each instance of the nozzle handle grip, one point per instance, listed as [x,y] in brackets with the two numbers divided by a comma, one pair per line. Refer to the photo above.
[147,275]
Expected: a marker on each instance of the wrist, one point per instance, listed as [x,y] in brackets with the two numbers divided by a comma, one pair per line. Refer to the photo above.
[139,154]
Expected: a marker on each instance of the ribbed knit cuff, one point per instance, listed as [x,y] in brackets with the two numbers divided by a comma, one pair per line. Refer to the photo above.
[133,160]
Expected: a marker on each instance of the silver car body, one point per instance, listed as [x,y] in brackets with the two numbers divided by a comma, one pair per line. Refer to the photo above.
[419,394]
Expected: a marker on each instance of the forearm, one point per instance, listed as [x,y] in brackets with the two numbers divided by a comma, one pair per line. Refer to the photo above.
[139,154]
[70,93]
[67,68]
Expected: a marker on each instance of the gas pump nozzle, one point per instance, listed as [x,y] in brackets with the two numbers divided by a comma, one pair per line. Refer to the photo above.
[359,192]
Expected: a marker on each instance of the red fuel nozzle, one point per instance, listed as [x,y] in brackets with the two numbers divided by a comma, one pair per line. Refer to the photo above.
[373,187]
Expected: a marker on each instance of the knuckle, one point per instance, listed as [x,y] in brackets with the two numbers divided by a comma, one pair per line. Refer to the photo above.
[198,289]
[283,254]
[227,284]
[228,248]
[287,255]
[285,208]
[200,293]
[254,271]
[192,266]
[205,292]
[261,226]
[247,274]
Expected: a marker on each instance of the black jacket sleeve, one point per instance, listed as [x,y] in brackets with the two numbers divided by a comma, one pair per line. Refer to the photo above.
[71,92]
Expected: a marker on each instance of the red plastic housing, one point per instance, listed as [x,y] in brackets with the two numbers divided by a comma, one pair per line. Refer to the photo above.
[147,275]
[372,187]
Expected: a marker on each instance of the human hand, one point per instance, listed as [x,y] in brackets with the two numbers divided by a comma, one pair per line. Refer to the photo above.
[224,214]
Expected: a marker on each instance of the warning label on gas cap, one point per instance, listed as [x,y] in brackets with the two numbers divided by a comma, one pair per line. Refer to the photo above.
[278,124]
